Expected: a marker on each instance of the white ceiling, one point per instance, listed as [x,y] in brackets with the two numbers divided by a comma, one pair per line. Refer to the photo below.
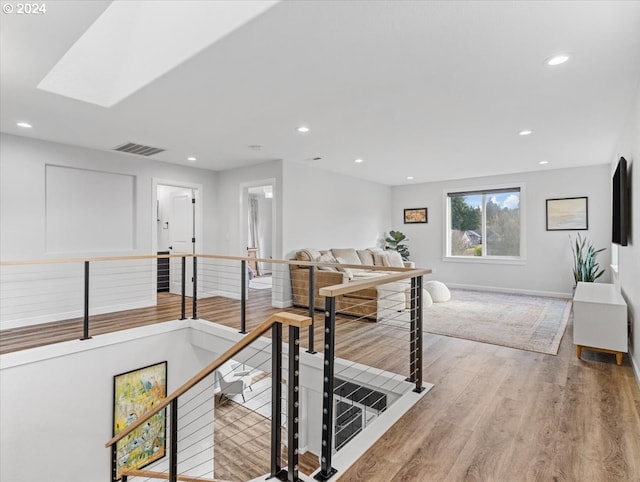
[433,90]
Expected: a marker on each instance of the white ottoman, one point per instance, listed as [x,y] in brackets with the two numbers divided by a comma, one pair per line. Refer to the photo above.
[426,299]
[438,291]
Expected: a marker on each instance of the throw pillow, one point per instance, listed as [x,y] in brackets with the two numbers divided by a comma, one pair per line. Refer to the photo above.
[393,259]
[345,270]
[366,257]
[378,257]
[348,254]
[327,258]
[309,254]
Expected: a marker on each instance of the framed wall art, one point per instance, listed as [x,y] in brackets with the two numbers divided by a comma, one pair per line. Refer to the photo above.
[134,393]
[568,214]
[415,215]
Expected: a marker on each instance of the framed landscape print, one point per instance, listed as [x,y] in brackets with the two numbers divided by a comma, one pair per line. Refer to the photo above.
[415,215]
[568,214]
[134,393]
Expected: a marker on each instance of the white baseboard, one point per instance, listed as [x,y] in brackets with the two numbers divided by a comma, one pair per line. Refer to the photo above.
[636,368]
[498,289]
[282,303]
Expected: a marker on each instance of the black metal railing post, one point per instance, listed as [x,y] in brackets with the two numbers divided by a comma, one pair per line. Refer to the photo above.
[173,451]
[195,288]
[418,348]
[114,463]
[85,323]
[326,471]
[243,296]
[293,401]
[312,309]
[276,397]
[183,281]
[412,331]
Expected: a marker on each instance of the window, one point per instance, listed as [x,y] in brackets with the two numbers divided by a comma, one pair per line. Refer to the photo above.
[485,223]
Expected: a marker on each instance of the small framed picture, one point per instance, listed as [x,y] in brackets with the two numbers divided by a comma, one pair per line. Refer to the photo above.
[415,215]
[568,214]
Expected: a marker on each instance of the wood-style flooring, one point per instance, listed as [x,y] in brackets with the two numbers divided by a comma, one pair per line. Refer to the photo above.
[494,414]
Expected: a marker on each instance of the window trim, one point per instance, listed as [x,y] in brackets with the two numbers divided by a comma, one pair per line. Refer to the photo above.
[485,259]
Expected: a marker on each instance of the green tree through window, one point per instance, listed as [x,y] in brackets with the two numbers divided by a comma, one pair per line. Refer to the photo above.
[484,223]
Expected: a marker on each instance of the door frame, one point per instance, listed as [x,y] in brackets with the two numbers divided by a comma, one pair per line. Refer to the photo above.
[199,220]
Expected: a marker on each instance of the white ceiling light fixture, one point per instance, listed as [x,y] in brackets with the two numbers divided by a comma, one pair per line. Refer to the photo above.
[409,178]
[359,161]
[26,125]
[557,60]
[542,163]
[191,159]
[525,132]
[303,129]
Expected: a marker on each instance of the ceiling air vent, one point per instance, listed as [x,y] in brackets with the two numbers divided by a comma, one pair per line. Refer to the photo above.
[138,149]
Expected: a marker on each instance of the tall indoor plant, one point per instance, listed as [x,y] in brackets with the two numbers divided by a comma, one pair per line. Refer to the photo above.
[395,242]
[585,266]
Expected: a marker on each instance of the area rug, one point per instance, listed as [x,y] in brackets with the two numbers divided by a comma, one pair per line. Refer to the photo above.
[532,323]
[261,283]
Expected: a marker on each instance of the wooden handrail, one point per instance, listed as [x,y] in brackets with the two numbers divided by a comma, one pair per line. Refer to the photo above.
[282,317]
[351,286]
[150,474]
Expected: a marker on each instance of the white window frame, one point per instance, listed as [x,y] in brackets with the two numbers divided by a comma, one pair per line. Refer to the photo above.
[485,259]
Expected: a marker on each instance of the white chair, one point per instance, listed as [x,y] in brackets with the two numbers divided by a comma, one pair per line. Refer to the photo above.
[230,381]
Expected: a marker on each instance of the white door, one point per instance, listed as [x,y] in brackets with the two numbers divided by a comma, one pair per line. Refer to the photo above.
[181,238]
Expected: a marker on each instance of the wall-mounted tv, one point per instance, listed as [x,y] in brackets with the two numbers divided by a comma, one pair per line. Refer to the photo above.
[621,217]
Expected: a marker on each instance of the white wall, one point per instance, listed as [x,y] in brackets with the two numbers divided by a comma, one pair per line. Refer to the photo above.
[56,402]
[231,211]
[326,210]
[629,256]
[23,194]
[548,265]
[28,229]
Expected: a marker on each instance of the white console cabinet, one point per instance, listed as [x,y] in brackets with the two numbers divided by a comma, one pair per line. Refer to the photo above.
[600,319]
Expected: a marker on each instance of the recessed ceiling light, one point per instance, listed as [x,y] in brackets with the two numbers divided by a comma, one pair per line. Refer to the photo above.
[409,178]
[26,125]
[303,129]
[358,161]
[543,162]
[557,60]
[525,132]
[255,147]
[191,159]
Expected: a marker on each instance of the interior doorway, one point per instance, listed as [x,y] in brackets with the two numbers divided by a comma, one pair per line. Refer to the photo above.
[260,227]
[178,229]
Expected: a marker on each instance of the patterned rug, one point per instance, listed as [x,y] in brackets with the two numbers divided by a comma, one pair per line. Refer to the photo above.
[532,323]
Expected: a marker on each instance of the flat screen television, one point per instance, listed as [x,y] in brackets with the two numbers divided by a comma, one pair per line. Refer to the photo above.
[620,205]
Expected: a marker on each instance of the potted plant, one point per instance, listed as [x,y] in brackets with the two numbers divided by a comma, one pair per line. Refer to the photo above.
[585,266]
[395,243]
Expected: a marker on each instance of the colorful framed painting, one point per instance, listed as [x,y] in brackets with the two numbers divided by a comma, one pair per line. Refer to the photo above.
[415,215]
[568,214]
[134,393]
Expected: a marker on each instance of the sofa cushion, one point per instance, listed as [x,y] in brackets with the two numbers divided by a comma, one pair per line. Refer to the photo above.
[309,254]
[348,254]
[366,257]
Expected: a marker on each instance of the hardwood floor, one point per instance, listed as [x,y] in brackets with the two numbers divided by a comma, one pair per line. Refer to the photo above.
[495,413]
